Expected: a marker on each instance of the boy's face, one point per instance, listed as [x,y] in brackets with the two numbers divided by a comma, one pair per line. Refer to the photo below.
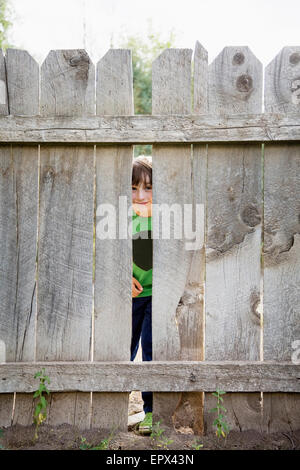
[142,198]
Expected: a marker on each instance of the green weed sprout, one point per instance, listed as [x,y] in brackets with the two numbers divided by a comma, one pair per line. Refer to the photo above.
[222,427]
[157,436]
[104,444]
[40,412]
[196,445]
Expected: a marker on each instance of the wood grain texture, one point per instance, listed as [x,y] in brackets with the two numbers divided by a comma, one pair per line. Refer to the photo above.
[282,82]
[23,82]
[234,211]
[160,376]
[113,304]
[281,238]
[176,311]
[66,215]
[235,82]
[281,274]
[200,80]
[19,220]
[67,84]
[151,129]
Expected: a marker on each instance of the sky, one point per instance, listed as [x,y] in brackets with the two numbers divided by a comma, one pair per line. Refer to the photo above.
[95,25]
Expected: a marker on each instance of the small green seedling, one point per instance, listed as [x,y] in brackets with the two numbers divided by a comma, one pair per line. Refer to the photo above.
[40,412]
[157,436]
[104,444]
[222,427]
[196,445]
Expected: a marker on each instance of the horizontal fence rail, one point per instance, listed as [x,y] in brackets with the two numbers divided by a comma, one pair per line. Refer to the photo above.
[156,376]
[150,129]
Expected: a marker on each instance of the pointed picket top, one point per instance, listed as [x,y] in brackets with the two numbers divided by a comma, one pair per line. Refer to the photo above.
[235,82]
[115,83]
[171,82]
[282,82]
[23,82]
[67,84]
[3,87]
[200,79]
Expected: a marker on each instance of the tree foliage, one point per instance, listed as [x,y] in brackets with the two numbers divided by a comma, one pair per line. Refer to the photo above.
[5,24]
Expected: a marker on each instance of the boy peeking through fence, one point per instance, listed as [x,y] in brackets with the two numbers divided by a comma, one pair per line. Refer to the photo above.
[142,271]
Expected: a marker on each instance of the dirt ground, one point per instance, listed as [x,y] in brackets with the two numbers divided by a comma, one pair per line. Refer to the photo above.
[67,437]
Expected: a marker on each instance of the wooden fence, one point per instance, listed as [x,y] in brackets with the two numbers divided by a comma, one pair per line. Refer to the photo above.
[226,316]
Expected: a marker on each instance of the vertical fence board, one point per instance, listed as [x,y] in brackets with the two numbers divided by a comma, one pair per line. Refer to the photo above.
[234,206]
[66,214]
[281,275]
[176,306]
[7,241]
[22,83]
[21,195]
[281,411]
[282,82]
[113,304]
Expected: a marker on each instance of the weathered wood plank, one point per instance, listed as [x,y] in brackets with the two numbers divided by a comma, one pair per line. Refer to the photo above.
[281,238]
[23,82]
[235,82]
[17,322]
[234,208]
[200,80]
[161,376]
[176,326]
[67,84]
[151,129]
[282,82]
[113,304]
[66,215]
[7,243]
[281,256]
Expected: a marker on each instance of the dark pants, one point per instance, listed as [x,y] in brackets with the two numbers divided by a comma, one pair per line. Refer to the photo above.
[142,327]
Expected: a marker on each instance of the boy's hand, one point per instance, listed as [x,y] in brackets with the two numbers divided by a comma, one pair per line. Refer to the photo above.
[136,287]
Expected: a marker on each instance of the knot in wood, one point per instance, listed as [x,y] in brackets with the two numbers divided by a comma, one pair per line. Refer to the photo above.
[244,83]
[192,377]
[48,175]
[251,216]
[294,58]
[238,58]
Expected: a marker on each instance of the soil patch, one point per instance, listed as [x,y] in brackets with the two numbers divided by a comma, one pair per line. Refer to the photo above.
[67,437]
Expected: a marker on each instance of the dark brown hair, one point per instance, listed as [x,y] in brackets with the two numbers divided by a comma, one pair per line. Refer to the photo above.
[141,168]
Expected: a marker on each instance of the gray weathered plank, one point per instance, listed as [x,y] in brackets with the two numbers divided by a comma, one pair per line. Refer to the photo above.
[200,80]
[235,82]
[176,325]
[282,82]
[113,304]
[66,216]
[151,129]
[281,274]
[161,376]
[23,82]
[67,84]
[20,207]
[281,238]
[234,208]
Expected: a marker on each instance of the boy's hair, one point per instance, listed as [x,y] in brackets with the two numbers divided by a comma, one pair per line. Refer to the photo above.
[141,168]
